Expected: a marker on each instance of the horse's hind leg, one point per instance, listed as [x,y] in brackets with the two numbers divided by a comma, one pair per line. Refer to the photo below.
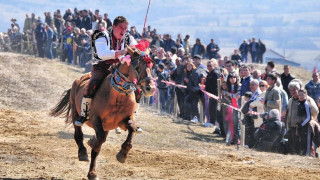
[96,143]
[82,151]
[127,145]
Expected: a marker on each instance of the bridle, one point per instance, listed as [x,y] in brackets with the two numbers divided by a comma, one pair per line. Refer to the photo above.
[123,84]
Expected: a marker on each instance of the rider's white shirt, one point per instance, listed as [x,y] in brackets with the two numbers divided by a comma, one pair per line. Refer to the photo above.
[103,48]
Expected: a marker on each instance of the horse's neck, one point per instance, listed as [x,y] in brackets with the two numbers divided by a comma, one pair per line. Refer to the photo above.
[125,70]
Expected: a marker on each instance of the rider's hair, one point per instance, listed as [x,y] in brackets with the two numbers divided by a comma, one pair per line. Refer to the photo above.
[120,19]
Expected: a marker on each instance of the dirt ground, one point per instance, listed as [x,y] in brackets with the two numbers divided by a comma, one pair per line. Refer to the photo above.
[34,145]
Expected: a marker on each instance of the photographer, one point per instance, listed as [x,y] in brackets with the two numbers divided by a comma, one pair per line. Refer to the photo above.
[271,132]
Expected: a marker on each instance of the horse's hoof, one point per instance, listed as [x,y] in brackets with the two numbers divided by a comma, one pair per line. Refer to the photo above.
[93,176]
[83,155]
[121,157]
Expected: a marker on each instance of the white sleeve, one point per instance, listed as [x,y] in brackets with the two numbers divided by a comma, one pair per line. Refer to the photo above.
[103,49]
[132,41]
[308,114]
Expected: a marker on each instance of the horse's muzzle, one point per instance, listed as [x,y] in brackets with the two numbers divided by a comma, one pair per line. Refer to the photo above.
[149,89]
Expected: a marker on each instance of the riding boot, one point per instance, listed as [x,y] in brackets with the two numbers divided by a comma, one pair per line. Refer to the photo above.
[85,109]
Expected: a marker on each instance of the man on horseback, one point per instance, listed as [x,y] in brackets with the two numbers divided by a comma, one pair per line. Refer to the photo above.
[108,46]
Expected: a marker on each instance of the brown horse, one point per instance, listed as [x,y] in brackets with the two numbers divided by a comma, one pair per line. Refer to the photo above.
[113,106]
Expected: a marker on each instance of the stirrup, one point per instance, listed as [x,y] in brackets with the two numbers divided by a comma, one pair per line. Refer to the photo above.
[79,122]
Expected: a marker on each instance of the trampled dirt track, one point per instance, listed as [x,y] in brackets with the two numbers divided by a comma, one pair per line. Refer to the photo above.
[34,145]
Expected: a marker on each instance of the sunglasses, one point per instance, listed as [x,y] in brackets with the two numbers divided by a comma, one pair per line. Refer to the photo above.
[262,85]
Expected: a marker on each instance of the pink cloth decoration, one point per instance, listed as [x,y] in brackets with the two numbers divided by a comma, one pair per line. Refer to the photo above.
[126,59]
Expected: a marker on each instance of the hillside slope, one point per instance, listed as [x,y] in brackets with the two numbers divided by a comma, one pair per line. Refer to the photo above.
[34,145]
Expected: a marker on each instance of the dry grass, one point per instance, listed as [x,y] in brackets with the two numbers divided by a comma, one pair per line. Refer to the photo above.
[34,145]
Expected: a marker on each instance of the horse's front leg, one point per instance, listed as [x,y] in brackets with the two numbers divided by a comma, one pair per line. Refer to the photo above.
[127,145]
[95,143]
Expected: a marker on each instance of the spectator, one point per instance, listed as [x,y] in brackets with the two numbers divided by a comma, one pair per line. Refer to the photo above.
[211,83]
[198,48]
[157,42]
[48,18]
[270,68]
[284,97]
[106,19]
[244,48]
[67,14]
[58,22]
[40,35]
[286,77]
[253,49]
[272,98]
[86,20]
[27,24]
[160,56]
[49,36]
[190,68]
[186,43]
[136,35]
[168,43]
[248,119]
[177,77]
[257,104]
[77,19]
[236,56]
[313,88]
[245,80]
[100,22]
[163,87]
[270,133]
[233,86]
[68,48]
[305,111]
[180,52]
[261,51]
[85,52]
[256,74]
[178,44]
[212,50]
[15,24]
[195,93]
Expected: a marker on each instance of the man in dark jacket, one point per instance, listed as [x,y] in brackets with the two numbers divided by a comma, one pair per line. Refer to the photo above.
[261,51]
[177,76]
[195,93]
[270,133]
[212,50]
[286,77]
[244,48]
[254,48]
[212,87]
[162,87]
[40,35]
[198,48]
[86,20]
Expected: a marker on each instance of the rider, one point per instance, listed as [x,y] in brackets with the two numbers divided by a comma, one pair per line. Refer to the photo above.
[107,46]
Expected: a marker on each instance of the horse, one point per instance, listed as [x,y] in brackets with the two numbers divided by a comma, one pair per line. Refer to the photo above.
[113,105]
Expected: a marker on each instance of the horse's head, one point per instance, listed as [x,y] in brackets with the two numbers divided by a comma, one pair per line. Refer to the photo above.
[140,71]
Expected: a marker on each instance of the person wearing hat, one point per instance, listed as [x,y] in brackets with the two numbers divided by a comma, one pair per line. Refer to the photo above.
[108,46]
[270,133]
[14,23]
[195,94]
[40,35]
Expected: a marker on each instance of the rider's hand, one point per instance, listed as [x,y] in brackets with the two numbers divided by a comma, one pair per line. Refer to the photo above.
[121,52]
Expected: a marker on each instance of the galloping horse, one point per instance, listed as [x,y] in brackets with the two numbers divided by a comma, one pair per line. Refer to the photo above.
[113,106]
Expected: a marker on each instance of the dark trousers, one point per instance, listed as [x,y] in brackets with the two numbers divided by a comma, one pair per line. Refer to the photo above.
[98,73]
[260,58]
[220,121]
[163,93]
[254,57]
[40,47]
[191,102]
[180,99]
[250,130]
[298,140]
[213,110]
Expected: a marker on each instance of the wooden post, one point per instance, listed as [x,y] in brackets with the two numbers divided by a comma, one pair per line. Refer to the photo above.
[21,45]
[175,106]
[201,109]
[242,127]
[74,48]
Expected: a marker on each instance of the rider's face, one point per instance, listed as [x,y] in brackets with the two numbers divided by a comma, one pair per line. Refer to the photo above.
[120,30]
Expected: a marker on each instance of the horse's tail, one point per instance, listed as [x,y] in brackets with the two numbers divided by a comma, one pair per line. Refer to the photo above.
[63,107]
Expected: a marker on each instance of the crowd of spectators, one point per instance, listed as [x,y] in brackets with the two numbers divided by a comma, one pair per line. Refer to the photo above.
[287,107]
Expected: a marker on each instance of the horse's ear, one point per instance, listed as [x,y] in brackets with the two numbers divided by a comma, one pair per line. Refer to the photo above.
[130,51]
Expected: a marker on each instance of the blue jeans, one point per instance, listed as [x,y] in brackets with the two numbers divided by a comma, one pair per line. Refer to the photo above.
[49,49]
[254,57]
[244,58]
[163,98]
